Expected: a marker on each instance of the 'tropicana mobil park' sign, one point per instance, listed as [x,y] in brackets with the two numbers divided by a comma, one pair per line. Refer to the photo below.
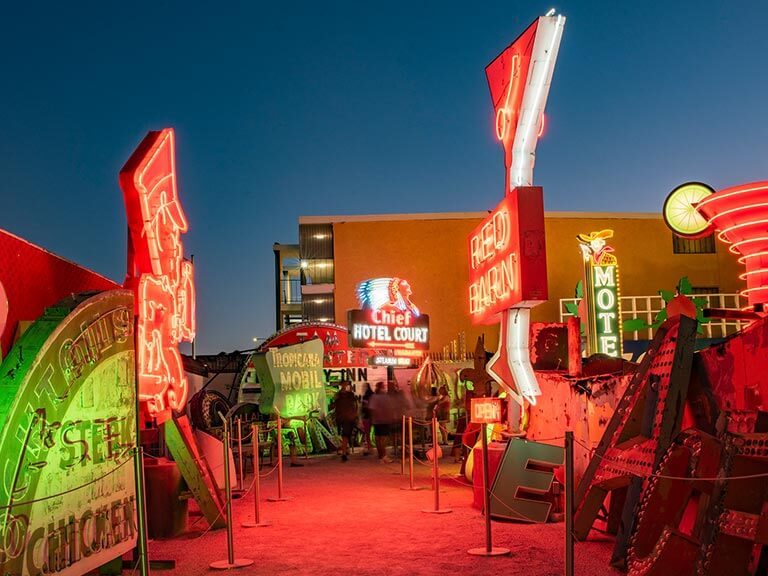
[67,433]
[292,379]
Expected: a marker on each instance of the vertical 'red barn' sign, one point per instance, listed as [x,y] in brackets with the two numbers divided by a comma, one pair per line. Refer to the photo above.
[157,272]
[508,258]
[507,253]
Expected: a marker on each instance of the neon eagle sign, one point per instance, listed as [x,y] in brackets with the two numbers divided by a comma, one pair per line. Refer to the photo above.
[387,317]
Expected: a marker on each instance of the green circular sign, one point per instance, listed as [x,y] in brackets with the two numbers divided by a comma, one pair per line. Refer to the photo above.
[680,212]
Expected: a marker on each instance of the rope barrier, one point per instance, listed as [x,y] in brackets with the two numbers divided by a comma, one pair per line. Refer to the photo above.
[71,490]
[622,466]
[422,462]
[135,566]
[456,480]
[233,439]
[242,497]
[269,473]
[512,510]
[542,439]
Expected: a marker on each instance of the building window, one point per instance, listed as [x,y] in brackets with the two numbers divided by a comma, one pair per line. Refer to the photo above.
[705,290]
[315,241]
[291,320]
[318,308]
[317,271]
[704,245]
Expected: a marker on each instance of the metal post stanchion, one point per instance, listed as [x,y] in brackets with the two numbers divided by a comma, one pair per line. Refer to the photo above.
[402,443]
[569,564]
[280,497]
[436,472]
[489,550]
[240,454]
[231,562]
[410,458]
[257,522]
[410,450]
[141,508]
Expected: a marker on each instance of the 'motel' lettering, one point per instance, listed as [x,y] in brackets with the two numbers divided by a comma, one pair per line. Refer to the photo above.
[606,309]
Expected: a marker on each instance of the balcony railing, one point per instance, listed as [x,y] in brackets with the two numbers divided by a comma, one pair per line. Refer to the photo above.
[647,307]
[290,291]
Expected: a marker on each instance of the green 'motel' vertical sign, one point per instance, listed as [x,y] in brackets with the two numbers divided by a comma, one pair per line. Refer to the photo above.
[606,309]
[67,431]
[601,292]
[292,379]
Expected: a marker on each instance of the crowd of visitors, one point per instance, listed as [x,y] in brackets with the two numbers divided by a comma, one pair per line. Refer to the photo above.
[379,413]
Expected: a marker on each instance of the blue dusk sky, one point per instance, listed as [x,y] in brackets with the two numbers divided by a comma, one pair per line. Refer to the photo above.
[313,108]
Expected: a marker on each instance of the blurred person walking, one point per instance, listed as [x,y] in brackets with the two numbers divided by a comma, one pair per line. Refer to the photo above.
[399,408]
[345,405]
[443,412]
[381,409]
[365,413]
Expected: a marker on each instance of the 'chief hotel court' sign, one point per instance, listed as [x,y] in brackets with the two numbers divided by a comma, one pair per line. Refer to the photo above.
[387,319]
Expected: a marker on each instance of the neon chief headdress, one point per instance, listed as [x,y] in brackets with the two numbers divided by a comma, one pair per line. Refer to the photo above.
[386,293]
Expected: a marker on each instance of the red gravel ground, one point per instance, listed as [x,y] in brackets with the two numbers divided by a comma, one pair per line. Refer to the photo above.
[353,518]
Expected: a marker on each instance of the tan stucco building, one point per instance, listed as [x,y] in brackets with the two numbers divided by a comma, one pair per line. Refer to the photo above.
[335,253]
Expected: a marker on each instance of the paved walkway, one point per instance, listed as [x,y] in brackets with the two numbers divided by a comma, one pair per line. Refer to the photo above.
[353,518]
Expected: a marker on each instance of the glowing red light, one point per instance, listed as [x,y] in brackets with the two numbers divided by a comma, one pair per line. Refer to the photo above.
[485,410]
[157,272]
[740,217]
[507,76]
[507,257]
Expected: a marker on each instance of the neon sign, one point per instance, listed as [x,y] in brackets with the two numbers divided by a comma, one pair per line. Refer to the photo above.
[486,410]
[3,313]
[401,361]
[67,432]
[157,272]
[740,216]
[601,290]
[388,319]
[292,379]
[519,81]
[680,213]
[507,257]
